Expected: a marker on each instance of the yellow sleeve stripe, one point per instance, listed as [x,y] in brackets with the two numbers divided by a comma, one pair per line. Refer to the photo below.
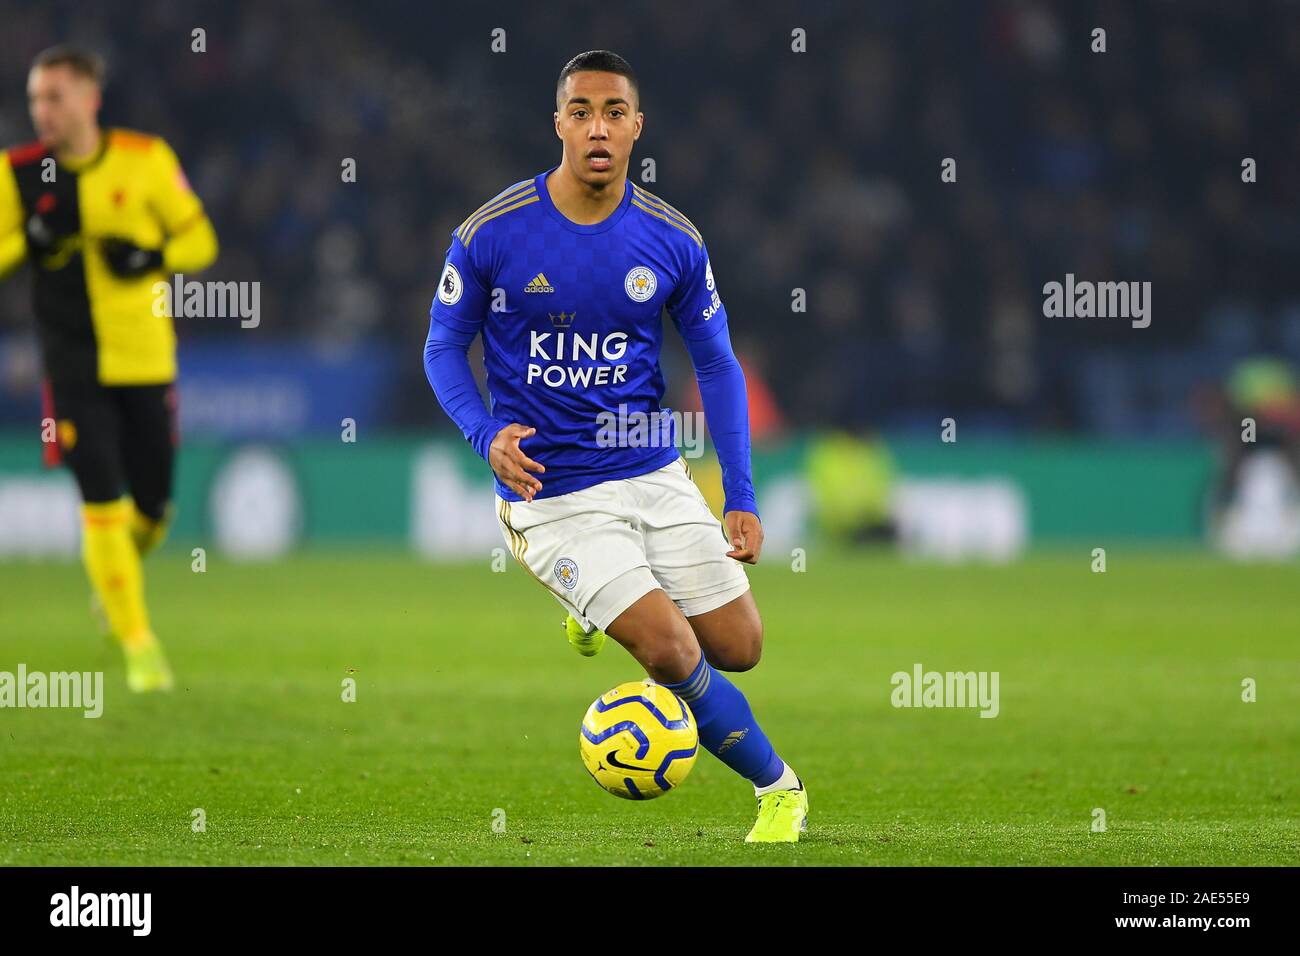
[466,228]
[652,200]
[668,219]
[532,198]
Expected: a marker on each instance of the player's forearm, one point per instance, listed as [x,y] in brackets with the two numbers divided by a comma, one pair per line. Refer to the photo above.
[726,409]
[191,250]
[13,250]
[446,365]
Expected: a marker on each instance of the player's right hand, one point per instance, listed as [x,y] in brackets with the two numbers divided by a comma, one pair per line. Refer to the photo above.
[126,260]
[511,464]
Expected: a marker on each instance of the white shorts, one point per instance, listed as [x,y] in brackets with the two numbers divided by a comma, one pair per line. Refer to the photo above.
[600,549]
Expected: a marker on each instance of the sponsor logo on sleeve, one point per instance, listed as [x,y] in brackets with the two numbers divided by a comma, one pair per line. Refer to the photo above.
[450,288]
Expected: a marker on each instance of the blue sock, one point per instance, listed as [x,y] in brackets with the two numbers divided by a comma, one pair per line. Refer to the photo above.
[727,726]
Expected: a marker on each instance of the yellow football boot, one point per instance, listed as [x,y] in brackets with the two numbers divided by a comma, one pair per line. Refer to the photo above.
[782,816]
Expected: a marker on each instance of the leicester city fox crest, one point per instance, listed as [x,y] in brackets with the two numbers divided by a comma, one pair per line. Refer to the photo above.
[640,284]
[566,572]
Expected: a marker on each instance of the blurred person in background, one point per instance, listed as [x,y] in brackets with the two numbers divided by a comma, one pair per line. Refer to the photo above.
[851,475]
[1255,505]
[102,215]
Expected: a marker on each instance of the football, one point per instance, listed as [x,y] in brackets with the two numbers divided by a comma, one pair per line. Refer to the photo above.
[639,740]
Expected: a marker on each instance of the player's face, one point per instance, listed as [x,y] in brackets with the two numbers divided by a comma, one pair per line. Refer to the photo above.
[62,103]
[598,123]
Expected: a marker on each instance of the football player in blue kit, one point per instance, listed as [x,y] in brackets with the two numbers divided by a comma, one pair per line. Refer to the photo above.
[565,276]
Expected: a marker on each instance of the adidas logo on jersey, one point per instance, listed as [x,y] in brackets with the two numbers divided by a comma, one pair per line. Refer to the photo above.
[539,284]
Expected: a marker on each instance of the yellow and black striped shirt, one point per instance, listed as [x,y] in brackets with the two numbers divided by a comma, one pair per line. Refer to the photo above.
[92,325]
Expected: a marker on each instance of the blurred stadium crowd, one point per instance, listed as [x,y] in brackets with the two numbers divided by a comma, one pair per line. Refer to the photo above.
[818,171]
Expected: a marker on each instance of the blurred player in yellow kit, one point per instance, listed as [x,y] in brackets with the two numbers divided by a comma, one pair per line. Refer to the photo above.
[102,215]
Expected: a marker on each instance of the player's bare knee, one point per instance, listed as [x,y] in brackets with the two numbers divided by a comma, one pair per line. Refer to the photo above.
[744,654]
[665,646]
[748,639]
[670,659]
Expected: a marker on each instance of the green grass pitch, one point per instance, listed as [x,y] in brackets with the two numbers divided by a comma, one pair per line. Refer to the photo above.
[1119,691]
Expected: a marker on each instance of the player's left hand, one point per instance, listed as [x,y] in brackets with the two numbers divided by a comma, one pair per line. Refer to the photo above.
[746,534]
[127,260]
[41,236]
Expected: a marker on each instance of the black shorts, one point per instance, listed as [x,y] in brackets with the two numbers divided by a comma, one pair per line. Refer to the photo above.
[119,439]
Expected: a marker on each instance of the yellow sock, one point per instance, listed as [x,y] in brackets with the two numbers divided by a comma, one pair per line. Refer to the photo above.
[113,565]
[146,532]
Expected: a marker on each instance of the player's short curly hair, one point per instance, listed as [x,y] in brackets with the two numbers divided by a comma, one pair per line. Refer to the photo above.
[78,59]
[602,61]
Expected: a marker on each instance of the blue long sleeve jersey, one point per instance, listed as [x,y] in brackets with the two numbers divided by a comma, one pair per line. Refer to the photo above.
[570,319]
